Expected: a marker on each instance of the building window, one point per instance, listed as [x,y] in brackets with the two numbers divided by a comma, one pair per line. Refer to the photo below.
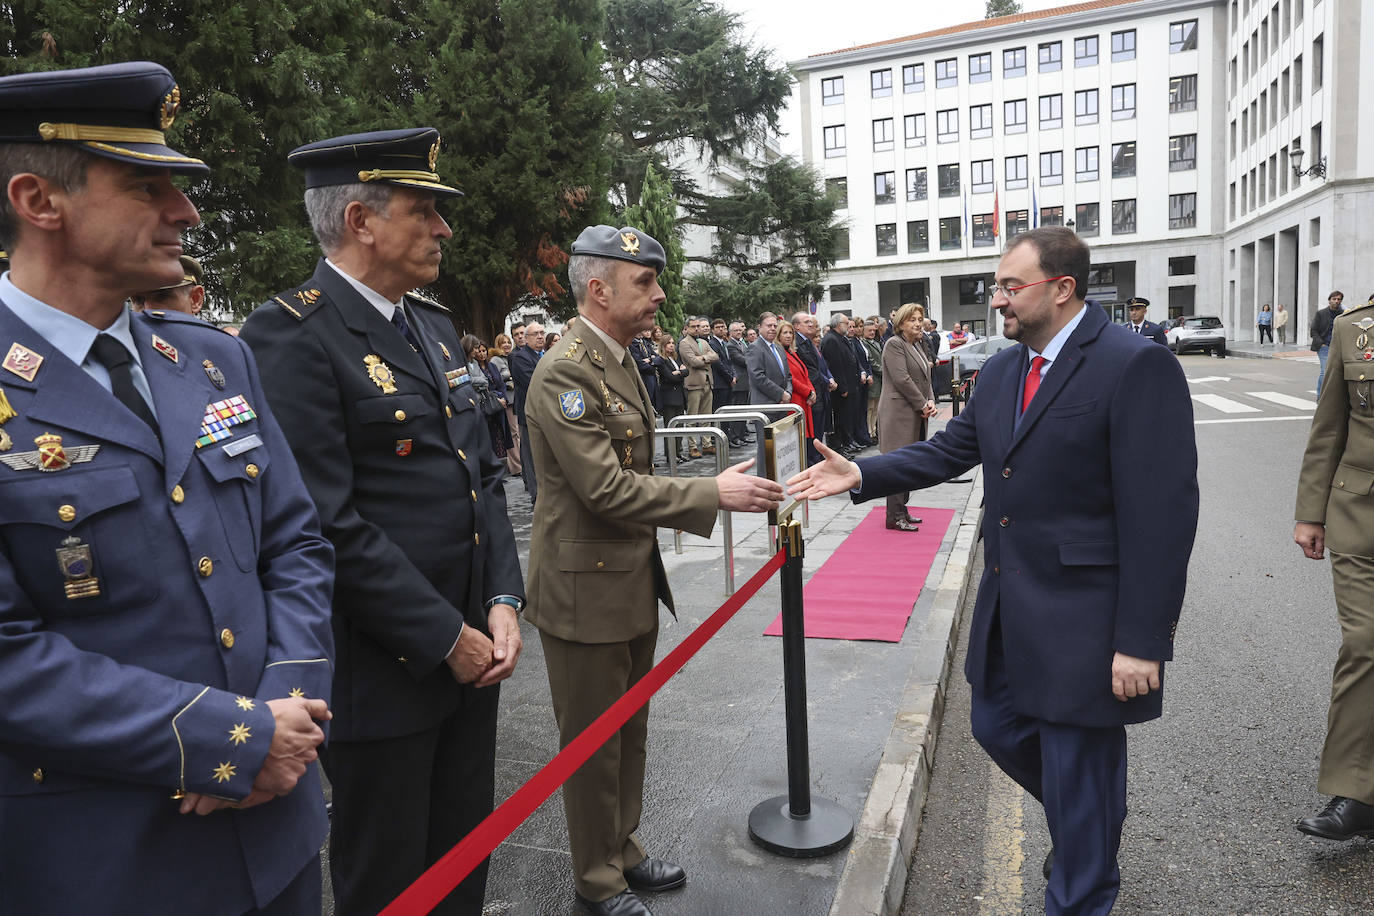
[1051,111]
[915,184]
[1123,102]
[949,233]
[832,90]
[1016,172]
[1051,216]
[1183,93]
[1018,221]
[1317,62]
[947,125]
[947,73]
[882,135]
[834,141]
[1085,106]
[1051,55]
[1123,45]
[1183,36]
[1085,163]
[842,245]
[881,81]
[1185,266]
[1052,168]
[979,121]
[1123,216]
[884,187]
[840,292]
[1123,159]
[1297,80]
[886,234]
[984,230]
[981,176]
[917,236]
[1316,143]
[948,176]
[838,188]
[1014,117]
[1085,220]
[1183,153]
[1085,51]
[914,128]
[1182,211]
[914,78]
[1014,62]
[980,67]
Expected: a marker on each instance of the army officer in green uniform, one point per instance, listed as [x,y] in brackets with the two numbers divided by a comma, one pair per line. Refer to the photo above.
[595,576]
[1336,510]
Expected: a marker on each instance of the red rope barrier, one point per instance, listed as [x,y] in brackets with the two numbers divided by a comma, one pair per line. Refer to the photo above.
[443,876]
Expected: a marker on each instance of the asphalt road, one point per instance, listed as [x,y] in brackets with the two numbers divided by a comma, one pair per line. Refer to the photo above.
[1216,784]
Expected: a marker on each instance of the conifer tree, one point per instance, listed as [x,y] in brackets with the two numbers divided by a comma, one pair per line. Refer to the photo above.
[656,214]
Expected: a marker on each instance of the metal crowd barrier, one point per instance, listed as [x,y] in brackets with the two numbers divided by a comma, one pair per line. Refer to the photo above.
[675,430]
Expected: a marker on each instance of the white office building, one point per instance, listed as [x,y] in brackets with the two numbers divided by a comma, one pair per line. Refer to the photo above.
[1161,130]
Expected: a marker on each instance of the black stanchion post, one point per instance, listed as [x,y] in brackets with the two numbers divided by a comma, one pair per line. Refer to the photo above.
[795,824]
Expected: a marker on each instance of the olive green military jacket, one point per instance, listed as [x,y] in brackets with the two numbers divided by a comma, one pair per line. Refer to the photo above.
[595,572]
[1334,487]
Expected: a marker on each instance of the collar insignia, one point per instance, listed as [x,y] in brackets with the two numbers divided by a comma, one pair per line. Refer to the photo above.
[23,362]
[165,348]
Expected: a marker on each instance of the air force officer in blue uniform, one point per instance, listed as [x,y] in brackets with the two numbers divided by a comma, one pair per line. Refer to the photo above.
[1085,569]
[164,587]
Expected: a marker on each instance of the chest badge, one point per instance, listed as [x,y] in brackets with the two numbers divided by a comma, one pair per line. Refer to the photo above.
[404,447]
[380,373]
[444,350]
[455,377]
[6,413]
[23,362]
[213,373]
[75,560]
[51,455]
[572,404]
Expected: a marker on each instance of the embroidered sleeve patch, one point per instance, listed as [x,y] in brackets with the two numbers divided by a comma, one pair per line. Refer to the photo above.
[572,404]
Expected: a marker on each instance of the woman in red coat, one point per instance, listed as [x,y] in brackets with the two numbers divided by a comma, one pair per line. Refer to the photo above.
[803,392]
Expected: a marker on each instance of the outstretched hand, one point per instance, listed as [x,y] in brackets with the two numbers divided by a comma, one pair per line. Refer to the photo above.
[836,474]
[739,491]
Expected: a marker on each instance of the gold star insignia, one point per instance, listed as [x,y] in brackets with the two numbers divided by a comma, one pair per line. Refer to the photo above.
[244,703]
[296,692]
[240,733]
[225,772]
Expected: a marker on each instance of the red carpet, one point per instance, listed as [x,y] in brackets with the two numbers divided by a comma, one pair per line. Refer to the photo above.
[868,586]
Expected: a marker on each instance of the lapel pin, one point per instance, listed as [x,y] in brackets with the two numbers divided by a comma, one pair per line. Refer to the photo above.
[444,350]
[165,348]
[23,362]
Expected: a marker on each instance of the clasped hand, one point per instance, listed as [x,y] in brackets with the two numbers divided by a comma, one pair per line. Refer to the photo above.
[483,661]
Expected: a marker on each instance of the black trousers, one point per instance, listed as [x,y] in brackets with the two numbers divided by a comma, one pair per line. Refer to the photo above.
[1265,329]
[527,463]
[401,803]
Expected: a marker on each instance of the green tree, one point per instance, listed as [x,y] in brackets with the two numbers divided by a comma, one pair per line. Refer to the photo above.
[656,214]
[514,88]
[997,8]
[256,80]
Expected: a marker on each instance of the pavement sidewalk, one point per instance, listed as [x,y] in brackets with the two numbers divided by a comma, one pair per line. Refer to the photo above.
[1248,349]
[717,737]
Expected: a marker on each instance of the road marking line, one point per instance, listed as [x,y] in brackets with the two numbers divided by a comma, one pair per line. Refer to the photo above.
[1210,378]
[1002,893]
[1225,405]
[1249,420]
[1286,400]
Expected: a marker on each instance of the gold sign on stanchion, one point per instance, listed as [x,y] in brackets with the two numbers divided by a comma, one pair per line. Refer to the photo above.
[784,456]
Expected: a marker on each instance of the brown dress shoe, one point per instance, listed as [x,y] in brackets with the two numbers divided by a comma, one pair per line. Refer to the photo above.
[901,524]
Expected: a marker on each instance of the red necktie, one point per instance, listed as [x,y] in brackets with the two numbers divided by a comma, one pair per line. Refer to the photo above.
[1032,382]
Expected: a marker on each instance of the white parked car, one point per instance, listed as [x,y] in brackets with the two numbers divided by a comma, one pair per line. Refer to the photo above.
[1202,333]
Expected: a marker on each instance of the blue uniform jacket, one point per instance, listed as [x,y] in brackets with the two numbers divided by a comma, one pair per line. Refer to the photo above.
[195,585]
[1082,560]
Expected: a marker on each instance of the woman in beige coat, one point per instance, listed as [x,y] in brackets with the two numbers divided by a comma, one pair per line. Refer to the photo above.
[907,400]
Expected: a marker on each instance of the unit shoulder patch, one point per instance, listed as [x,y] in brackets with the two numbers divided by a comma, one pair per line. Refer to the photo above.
[572,404]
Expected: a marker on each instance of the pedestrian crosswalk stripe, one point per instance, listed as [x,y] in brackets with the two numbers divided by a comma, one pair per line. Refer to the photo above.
[1225,405]
[1285,400]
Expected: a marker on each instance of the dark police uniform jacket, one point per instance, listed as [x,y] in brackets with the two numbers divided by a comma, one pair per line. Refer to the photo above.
[136,665]
[397,456]
[1082,561]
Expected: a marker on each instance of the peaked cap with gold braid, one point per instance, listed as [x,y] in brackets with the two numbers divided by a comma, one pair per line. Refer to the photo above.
[399,157]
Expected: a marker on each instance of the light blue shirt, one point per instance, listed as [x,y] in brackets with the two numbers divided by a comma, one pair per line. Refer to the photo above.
[73,337]
[1057,341]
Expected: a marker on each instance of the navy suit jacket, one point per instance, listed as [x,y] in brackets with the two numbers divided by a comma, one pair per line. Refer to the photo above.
[723,370]
[212,588]
[522,361]
[1154,332]
[1081,560]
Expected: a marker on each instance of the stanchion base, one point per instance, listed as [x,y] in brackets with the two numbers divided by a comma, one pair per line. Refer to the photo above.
[827,828]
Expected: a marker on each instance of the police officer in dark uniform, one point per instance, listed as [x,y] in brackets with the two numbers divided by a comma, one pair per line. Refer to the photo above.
[1135,309]
[164,587]
[373,390]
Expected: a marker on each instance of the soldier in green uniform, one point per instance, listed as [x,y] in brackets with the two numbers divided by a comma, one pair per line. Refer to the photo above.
[1336,509]
[595,576]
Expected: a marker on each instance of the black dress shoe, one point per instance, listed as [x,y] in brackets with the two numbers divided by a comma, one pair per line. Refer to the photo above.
[655,875]
[1341,819]
[913,519]
[1048,867]
[624,903]
[901,524]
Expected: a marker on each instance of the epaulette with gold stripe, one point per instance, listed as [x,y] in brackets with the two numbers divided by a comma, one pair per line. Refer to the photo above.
[300,302]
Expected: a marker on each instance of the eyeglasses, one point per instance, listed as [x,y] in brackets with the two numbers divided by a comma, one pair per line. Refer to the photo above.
[1011,291]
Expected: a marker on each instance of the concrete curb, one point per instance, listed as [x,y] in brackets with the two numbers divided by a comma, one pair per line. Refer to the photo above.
[875,869]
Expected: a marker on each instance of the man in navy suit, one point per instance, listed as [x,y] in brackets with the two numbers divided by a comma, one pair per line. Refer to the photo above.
[165,649]
[523,359]
[1135,310]
[1085,569]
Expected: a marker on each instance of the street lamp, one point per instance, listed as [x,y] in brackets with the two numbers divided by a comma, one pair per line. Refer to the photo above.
[1317,169]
